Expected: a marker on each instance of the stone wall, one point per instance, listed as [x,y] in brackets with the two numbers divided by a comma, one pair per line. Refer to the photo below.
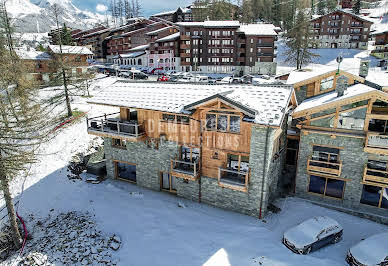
[353,160]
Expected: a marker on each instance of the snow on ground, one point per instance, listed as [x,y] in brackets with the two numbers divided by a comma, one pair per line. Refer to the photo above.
[155,231]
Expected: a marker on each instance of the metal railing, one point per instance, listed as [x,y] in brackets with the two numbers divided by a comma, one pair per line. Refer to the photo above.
[185,167]
[233,177]
[114,125]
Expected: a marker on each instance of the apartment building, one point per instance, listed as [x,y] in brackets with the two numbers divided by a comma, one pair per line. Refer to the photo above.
[55,33]
[380,48]
[227,47]
[341,29]
[220,145]
[95,41]
[38,64]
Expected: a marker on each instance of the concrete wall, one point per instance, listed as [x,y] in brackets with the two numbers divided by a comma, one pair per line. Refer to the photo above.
[353,160]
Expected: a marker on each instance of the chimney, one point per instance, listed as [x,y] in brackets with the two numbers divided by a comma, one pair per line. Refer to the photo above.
[341,86]
[364,68]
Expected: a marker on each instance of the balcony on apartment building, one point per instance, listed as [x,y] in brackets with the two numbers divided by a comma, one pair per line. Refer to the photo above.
[327,164]
[356,25]
[110,125]
[375,176]
[185,37]
[230,177]
[187,169]
[265,45]
[261,54]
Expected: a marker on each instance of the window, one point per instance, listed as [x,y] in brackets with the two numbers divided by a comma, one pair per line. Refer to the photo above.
[325,154]
[182,119]
[189,154]
[167,182]
[238,162]
[375,196]
[223,122]
[326,186]
[327,83]
[126,171]
[118,143]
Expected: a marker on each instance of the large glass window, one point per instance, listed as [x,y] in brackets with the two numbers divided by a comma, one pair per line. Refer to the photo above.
[182,119]
[223,122]
[325,154]
[352,120]
[126,171]
[238,162]
[235,124]
[378,125]
[374,196]
[211,121]
[168,182]
[326,186]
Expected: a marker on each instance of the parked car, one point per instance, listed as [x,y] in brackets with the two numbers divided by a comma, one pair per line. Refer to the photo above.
[110,71]
[371,251]
[228,80]
[133,74]
[163,78]
[155,71]
[312,235]
[173,78]
[170,72]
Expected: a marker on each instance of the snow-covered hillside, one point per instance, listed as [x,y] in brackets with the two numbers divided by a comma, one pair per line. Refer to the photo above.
[36,15]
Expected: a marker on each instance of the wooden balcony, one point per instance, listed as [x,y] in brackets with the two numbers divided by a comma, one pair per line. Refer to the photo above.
[268,45]
[241,59]
[376,143]
[185,169]
[184,55]
[185,46]
[185,37]
[237,180]
[372,176]
[323,167]
[113,127]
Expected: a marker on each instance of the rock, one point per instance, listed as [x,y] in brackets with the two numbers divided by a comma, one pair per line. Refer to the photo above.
[116,239]
[114,245]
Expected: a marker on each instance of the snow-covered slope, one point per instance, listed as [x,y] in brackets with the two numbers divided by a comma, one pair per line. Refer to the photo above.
[36,15]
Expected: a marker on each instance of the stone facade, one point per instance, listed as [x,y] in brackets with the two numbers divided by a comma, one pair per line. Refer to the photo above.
[353,160]
[150,161]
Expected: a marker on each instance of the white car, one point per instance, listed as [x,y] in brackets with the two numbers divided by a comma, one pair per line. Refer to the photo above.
[312,234]
[371,251]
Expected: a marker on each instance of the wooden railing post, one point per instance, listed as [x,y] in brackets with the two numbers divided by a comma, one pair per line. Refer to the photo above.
[136,130]
[102,125]
[195,168]
[118,127]
[219,175]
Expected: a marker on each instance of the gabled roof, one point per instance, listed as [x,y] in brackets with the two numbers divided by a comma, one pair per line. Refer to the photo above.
[305,76]
[345,12]
[355,93]
[263,104]
[67,49]
[160,30]
[32,55]
[212,24]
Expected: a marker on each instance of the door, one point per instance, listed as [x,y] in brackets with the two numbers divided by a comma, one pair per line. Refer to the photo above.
[167,182]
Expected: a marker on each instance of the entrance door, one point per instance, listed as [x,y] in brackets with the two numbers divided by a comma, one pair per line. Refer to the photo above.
[167,182]
[126,171]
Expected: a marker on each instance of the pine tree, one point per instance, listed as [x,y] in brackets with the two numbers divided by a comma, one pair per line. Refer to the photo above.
[24,118]
[321,7]
[331,5]
[357,7]
[299,42]
[66,36]
[246,10]
[127,10]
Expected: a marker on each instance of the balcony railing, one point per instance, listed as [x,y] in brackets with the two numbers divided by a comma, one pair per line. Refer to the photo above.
[185,37]
[324,167]
[185,169]
[375,176]
[184,55]
[185,46]
[269,45]
[376,142]
[113,127]
[233,179]
[265,54]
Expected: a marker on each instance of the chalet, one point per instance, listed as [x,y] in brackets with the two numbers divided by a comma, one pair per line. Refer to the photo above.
[343,148]
[218,144]
[38,64]
[341,29]
[74,56]
[380,48]
[178,15]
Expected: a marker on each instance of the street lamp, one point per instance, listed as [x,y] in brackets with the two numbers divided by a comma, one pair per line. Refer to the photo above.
[339,59]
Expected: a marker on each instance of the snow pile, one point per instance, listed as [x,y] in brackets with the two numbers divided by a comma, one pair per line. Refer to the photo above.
[69,238]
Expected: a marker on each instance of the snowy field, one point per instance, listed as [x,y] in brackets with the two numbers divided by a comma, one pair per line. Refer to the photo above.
[155,230]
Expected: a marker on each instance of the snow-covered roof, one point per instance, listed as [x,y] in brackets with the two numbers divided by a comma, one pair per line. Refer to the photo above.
[169,37]
[306,233]
[32,55]
[267,104]
[371,251]
[304,74]
[67,49]
[159,30]
[132,55]
[332,97]
[258,29]
[212,23]
[346,12]
[97,32]
[165,13]
[140,48]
